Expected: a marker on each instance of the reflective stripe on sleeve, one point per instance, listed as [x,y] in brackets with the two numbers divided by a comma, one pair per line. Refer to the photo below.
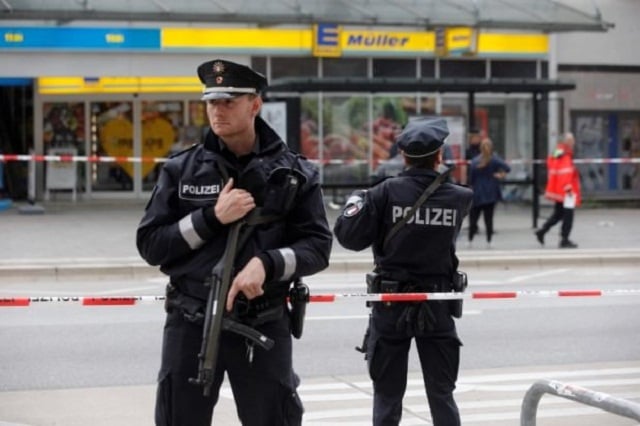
[188,232]
[289,258]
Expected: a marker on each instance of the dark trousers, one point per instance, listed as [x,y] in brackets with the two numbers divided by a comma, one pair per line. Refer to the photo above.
[487,213]
[388,355]
[264,389]
[560,214]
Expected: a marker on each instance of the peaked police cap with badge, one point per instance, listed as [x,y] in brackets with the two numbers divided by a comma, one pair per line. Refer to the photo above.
[423,136]
[225,79]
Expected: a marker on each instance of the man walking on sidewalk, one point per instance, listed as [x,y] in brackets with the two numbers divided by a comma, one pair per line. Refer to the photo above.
[563,188]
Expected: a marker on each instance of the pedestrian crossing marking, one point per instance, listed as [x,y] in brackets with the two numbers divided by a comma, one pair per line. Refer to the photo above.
[484,398]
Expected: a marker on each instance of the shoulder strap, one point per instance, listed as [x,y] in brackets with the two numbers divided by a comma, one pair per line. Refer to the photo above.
[427,192]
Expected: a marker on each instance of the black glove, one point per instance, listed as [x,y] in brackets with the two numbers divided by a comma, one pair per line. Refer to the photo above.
[426,320]
[406,319]
[416,318]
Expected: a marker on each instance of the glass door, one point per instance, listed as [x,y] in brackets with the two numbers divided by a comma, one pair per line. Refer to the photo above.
[112,136]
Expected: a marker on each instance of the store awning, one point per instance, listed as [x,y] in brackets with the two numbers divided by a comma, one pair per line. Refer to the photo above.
[537,15]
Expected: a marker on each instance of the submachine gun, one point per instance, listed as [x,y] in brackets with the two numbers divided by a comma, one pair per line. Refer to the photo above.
[215,320]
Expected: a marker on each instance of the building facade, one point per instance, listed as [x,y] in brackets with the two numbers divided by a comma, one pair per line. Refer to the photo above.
[122,98]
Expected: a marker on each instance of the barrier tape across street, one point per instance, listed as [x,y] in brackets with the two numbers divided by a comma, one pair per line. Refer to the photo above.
[324,298]
[123,159]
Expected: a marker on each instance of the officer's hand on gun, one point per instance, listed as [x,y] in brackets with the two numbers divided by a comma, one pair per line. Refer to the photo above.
[248,281]
[233,203]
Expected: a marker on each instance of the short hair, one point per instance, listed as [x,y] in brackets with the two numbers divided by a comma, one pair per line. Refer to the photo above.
[566,135]
[429,162]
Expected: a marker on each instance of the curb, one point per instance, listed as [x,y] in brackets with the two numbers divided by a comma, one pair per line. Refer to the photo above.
[65,268]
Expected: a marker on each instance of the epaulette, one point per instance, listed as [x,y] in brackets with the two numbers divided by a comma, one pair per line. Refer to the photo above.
[184,150]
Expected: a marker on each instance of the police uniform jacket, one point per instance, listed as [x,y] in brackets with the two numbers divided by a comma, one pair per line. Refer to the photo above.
[424,248]
[180,233]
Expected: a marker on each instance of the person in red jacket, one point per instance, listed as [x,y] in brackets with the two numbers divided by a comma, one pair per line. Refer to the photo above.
[563,188]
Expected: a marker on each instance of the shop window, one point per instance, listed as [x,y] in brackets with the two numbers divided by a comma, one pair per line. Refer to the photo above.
[460,68]
[198,117]
[339,139]
[112,136]
[513,69]
[63,127]
[544,66]
[394,68]
[259,64]
[390,115]
[607,135]
[162,133]
[344,67]
[427,68]
[294,67]
[629,147]
[309,127]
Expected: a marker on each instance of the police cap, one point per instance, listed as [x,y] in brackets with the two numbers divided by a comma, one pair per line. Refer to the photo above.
[225,79]
[423,136]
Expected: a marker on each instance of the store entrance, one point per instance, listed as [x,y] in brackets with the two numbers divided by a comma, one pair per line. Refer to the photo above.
[121,143]
[16,134]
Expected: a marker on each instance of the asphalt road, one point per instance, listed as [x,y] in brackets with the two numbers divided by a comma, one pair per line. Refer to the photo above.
[55,347]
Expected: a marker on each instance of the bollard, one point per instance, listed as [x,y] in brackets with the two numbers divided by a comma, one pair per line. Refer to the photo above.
[32,207]
[619,406]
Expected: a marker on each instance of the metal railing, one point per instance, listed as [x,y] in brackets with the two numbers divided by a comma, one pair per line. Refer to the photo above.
[619,406]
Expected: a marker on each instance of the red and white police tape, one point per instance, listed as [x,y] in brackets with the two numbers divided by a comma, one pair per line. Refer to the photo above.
[124,159]
[368,297]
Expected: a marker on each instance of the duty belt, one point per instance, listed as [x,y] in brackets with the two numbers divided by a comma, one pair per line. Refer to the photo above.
[382,285]
[253,312]
[192,310]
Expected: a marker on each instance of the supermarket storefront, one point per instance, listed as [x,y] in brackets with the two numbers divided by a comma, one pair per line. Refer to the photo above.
[132,93]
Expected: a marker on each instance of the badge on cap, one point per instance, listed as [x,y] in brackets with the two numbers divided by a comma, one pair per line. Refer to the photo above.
[218,67]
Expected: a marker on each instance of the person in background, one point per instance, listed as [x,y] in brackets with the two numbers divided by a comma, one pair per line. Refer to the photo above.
[563,188]
[418,255]
[486,171]
[474,138]
[242,173]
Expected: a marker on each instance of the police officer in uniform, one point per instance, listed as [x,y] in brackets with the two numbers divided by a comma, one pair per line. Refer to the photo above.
[420,257]
[241,170]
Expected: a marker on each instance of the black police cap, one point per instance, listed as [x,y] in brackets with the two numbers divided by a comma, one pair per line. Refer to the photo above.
[423,136]
[225,79]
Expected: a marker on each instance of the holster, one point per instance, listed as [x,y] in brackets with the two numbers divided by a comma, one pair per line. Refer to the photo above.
[191,308]
[298,299]
[459,284]
[377,284]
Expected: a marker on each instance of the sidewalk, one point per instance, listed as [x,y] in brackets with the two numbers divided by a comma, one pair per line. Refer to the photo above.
[99,237]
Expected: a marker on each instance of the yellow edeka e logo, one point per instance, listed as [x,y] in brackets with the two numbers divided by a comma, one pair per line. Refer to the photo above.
[326,40]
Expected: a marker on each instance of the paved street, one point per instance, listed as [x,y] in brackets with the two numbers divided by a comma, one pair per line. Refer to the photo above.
[89,249]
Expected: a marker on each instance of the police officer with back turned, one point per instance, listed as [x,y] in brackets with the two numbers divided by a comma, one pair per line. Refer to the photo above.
[416,256]
[241,173]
